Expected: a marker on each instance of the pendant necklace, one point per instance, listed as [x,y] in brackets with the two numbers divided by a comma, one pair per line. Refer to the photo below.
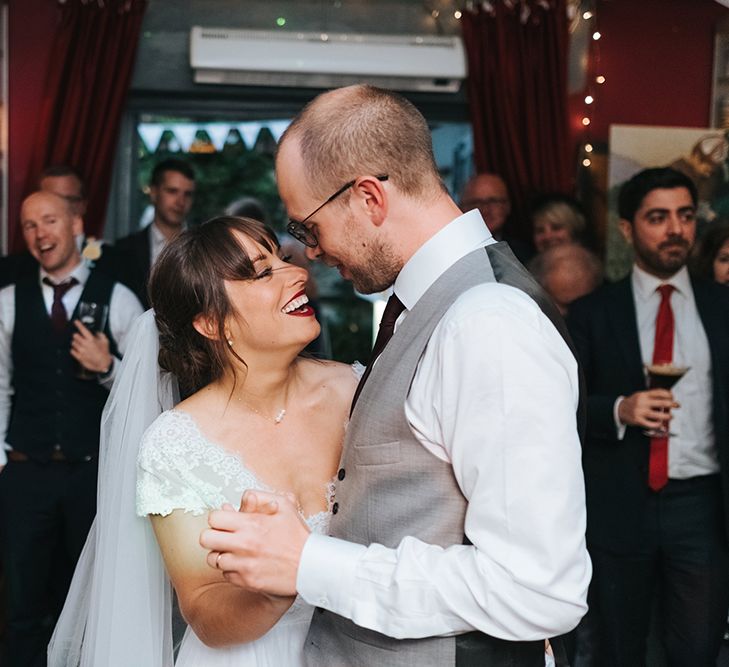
[276,420]
[279,415]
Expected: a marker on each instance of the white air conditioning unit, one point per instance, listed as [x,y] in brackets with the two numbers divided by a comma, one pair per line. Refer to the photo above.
[326,60]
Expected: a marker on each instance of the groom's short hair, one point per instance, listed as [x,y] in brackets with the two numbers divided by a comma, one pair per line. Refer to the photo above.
[358,130]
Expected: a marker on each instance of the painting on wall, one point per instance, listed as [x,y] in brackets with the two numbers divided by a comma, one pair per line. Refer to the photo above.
[702,154]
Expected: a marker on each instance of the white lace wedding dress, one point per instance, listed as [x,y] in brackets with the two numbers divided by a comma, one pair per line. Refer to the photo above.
[178,468]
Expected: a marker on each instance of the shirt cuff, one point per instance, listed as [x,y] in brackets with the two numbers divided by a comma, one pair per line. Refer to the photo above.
[327,573]
[107,379]
[620,428]
[3,455]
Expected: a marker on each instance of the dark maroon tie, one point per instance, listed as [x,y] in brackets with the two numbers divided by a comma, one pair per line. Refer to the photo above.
[662,354]
[59,317]
[387,327]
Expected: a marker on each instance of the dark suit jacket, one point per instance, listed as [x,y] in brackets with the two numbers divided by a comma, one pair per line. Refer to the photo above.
[605,331]
[16,266]
[129,263]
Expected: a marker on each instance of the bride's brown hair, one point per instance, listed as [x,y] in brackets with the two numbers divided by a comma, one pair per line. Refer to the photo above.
[188,280]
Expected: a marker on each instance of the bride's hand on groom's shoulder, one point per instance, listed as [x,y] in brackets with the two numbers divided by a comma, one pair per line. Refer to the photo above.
[258,547]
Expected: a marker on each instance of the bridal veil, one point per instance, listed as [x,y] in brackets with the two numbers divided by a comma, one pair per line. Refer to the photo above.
[118,609]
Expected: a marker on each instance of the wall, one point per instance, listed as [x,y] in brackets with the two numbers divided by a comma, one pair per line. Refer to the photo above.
[657,57]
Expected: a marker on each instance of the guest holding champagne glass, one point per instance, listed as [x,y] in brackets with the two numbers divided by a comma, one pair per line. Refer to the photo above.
[49,418]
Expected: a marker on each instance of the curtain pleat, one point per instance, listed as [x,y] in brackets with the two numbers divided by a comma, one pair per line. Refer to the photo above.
[517,92]
[90,69]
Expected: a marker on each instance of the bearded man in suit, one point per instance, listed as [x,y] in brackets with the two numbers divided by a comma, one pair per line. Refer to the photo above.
[657,505]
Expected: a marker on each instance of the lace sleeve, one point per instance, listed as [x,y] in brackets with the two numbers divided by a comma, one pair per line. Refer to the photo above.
[166,478]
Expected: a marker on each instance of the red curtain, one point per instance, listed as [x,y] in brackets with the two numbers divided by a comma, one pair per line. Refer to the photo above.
[517,91]
[90,68]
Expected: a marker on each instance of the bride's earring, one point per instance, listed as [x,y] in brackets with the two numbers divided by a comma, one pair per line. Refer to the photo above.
[230,342]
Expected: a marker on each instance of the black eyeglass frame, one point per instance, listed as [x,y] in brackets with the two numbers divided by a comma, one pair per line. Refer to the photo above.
[302,233]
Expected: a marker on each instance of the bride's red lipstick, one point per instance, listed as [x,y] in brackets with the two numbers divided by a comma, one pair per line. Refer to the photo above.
[304,310]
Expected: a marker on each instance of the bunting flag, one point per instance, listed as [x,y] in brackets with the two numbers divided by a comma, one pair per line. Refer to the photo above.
[184,133]
[249,132]
[277,128]
[150,134]
[218,133]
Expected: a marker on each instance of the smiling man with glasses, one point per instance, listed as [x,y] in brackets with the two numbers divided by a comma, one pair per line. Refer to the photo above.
[449,533]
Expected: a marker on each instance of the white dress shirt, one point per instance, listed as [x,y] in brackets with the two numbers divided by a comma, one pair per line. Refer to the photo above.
[495,394]
[157,242]
[124,308]
[692,450]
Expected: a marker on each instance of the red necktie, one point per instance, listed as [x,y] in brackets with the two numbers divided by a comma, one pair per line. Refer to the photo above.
[387,327]
[662,354]
[59,317]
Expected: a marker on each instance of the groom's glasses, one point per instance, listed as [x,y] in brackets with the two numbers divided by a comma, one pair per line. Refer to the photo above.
[305,234]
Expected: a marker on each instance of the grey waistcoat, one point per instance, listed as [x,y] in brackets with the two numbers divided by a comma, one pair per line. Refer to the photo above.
[393,487]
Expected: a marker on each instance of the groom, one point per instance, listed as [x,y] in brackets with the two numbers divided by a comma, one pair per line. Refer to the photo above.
[457,535]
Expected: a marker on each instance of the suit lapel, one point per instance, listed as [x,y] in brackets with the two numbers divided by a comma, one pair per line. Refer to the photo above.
[625,330]
[708,313]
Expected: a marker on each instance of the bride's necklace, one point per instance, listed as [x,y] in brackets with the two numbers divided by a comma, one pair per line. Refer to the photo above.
[276,420]
[280,413]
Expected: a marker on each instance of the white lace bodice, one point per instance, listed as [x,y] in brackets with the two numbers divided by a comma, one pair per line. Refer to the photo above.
[179,468]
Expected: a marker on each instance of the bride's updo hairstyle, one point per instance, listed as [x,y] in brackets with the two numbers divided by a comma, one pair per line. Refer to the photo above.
[187,280]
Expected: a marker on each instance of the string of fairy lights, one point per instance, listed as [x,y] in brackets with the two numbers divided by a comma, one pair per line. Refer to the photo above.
[595,79]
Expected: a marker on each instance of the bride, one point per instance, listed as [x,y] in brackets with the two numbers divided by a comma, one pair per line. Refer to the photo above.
[232,317]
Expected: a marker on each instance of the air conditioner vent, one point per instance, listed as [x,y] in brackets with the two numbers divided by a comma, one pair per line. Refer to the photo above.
[326,60]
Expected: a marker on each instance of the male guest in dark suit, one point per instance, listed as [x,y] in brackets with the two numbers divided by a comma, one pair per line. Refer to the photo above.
[657,506]
[50,418]
[171,191]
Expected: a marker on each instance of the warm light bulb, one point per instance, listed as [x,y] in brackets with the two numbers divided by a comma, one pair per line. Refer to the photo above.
[585,121]
[588,148]
[457,14]
[586,162]
[587,15]
[589,99]
[596,35]
[600,79]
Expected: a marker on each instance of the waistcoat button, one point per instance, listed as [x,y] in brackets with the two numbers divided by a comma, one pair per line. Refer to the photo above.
[341,474]
[335,508]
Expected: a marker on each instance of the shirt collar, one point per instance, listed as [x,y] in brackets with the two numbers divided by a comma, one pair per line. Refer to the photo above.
[80,272]
[158,237]
[459,237]
[645,284]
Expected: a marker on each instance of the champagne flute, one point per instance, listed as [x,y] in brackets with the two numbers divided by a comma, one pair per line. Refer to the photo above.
[93,316]
[663,376]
